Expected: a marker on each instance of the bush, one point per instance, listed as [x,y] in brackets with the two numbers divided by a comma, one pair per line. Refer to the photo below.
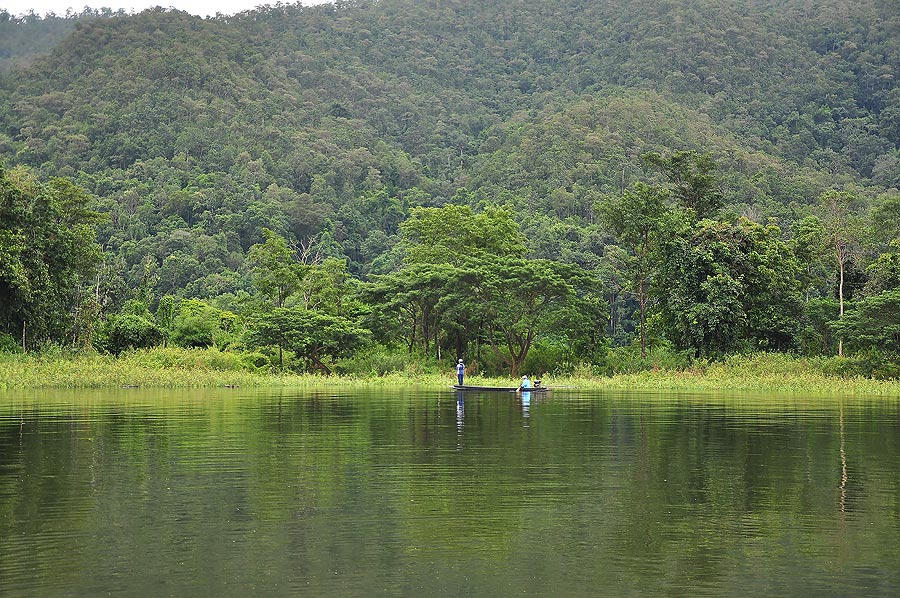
[880,365]
[199,325]
[201,359]
[628,360]
[127,331]
[549,356]
[255,360]
[8,344]
[381,361]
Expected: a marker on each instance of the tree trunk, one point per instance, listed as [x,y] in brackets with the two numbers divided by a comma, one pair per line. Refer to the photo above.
[320,365]
[841,303]
[642,302]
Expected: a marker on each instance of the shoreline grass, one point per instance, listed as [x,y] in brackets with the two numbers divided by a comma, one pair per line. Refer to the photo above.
[207,368]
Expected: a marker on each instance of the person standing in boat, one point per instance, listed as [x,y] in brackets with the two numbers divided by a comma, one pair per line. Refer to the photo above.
[460,371]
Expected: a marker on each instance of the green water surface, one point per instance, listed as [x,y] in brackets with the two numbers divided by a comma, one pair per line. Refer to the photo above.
[429,493]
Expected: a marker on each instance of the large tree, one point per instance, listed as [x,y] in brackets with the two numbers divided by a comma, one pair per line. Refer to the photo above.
[726,285]
[276,271]
[635,219]
[309,334]
[693,178]
[843,232]
[48,256]
[452,233]
[874,323]
[518,300]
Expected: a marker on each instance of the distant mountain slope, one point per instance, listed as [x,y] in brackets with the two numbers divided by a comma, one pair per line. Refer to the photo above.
[24,38]
[800,77]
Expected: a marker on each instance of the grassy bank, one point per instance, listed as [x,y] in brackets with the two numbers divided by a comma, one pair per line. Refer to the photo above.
[763,373]
[183,368]
[177,368]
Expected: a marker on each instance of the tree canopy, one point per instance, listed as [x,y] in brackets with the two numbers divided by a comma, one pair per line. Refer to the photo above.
[480,177]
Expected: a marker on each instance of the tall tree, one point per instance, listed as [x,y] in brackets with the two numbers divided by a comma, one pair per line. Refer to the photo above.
[807,241]
[635,218]
[518,299]
[726,285]
[452,233]
[275,270]
[843,230]
[693,178]
[48,251]
[886,217]
[309,334]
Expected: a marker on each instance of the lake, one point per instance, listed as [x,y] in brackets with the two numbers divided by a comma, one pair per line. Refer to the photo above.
[238,492]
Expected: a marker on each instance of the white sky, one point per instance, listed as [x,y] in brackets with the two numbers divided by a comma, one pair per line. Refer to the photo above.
[204,8]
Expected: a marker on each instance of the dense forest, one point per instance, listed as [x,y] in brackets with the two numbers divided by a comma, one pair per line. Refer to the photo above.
[530,185]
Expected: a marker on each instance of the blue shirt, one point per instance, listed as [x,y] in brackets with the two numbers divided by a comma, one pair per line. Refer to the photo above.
[460,368]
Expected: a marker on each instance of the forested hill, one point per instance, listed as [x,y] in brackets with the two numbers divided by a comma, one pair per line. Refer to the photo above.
[328,123]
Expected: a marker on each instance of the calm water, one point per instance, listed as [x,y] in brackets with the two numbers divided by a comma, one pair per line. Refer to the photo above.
[243,493]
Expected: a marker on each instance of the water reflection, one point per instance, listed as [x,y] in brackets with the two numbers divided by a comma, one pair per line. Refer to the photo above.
[526,405]
[359,494]
[460,417]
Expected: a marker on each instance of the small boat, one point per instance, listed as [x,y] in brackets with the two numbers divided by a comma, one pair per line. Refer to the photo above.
[501,388]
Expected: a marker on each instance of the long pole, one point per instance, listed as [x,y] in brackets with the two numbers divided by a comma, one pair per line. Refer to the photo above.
[23,336]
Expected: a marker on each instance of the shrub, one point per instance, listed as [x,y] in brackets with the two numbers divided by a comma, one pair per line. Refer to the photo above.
[176,357]
[381,361]
[628,360]
[127,331]
[199,324]
[8,344]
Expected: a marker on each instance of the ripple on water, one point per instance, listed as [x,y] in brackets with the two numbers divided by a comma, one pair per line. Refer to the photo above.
[405,494]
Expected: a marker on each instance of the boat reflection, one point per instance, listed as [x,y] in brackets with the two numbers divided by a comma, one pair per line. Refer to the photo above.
[526,405]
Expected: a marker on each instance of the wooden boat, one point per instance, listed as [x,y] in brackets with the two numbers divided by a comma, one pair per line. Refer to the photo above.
[500,388]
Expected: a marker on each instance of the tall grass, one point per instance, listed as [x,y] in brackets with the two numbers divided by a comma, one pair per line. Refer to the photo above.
[759,372]
[154,367]
[193,368]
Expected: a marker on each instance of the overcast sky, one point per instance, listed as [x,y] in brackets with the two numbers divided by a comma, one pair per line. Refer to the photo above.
[204,8]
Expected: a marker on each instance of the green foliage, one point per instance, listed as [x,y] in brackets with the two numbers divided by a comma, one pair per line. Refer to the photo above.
[723,284]
[288,158]
[884,272]
[816,336]
[311,335]
[693,179]
[378,360]
[453,233]
[194,359]
[8,344]
[628,360]
[636,219]
[48,253]
[808,244]
[165,313]
[557,356]
[873,323]
[275,271]
[199,325]
[127,331]
[517,300]
[886,217]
